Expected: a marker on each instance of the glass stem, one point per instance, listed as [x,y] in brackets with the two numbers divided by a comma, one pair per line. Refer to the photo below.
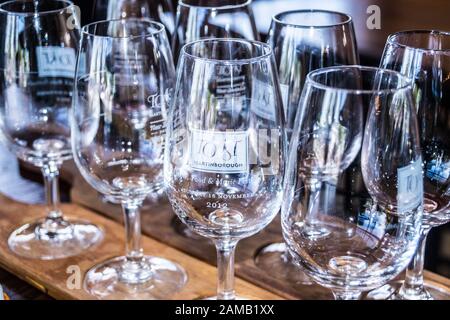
[346,295]
[413,284]
[51,173]
[225,269]
[132,219]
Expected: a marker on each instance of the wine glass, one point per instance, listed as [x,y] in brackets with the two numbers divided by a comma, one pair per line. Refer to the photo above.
[198,19]
[225,145]
[37,69]
[424,56]
[323,221]
[302,41]
[160,10]
[124,82]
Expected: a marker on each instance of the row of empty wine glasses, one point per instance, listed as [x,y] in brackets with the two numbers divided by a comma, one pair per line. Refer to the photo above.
[195,19]
[123,85]
[306,40]
[421,56]
[224,144]
[124,82]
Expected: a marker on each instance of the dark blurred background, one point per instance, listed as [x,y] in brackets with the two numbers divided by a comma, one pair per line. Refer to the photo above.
[394,16]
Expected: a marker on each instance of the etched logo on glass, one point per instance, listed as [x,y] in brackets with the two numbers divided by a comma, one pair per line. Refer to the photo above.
[56,61]
[158,112]
[263,101]
[410,187]
[219,151]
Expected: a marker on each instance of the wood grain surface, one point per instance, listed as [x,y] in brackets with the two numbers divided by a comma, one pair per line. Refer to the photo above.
[160,223]
[17,289]
[51,276]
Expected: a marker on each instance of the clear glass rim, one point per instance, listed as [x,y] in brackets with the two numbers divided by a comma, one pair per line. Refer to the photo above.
[392,39]
[158,26]
[224,7]
[258,58]
[277,18]
[67,3]
[310,79]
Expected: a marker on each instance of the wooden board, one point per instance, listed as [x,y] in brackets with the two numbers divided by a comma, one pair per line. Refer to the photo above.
[158,223]
[50,276]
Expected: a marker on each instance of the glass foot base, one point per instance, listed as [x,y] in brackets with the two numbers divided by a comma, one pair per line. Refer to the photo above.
[49,240]
[391,291]
[118,279]
[184,230]
[239,298]
[274,258]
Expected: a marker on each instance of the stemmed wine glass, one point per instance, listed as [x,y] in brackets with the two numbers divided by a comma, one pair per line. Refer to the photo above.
[225,145]
[424,56]
[37,68]
[197,19]
[124,83]
[302,41]
[324,222]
